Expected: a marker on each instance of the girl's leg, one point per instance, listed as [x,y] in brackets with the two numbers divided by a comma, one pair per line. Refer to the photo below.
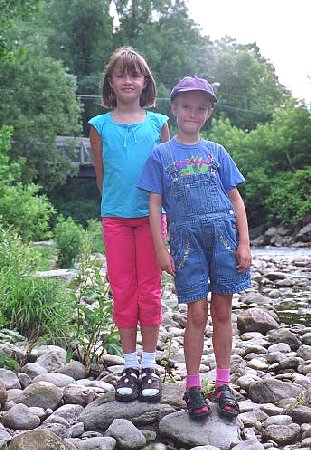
[121,268]
[193,348]
[221,312]
[194,335]
[149,279]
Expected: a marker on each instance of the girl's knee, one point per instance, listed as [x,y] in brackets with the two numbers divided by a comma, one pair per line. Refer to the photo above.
[198,314]
[222,314]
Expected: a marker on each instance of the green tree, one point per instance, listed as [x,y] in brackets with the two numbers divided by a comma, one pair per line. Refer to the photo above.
[274,158]
[289,199]
[80,34]
[12,10]
[21,206]
[249,89]
[38,100]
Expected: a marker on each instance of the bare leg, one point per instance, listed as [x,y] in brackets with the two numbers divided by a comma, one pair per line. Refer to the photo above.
[221,311]
[128,338]
[194,335]
[193,349]
[149,336]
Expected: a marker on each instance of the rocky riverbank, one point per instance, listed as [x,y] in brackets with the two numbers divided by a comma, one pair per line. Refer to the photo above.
[51,404]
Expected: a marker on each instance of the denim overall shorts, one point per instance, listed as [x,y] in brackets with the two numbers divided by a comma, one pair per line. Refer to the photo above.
[203,234]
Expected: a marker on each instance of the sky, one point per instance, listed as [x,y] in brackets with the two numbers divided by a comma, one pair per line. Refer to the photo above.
[281,30]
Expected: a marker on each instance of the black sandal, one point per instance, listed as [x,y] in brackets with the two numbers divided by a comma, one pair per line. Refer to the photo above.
[227,404]
[197,406]
[150,379]
[129,379]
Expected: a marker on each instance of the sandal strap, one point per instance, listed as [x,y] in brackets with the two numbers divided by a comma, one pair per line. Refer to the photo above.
[150,379]
[128,378]
[226,398]
[194,399]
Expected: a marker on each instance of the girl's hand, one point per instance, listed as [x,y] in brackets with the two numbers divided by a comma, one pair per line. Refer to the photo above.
[244,257]
[166,262]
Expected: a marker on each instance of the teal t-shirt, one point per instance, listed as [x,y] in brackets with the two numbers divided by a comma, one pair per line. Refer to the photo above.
[126,148]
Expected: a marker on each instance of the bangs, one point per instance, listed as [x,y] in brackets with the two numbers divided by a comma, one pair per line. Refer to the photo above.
[129,62]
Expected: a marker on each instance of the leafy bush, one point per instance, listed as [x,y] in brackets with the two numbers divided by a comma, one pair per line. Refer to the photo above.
[36,307]
[16,257]
[95,233]
[69,237]
[21,205]
[28,212]
[33,306]
[95,332]
[290,197]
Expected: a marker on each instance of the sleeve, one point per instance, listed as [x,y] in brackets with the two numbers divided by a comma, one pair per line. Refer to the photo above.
[98,123]
[229,174]
[151,177]
[158,120]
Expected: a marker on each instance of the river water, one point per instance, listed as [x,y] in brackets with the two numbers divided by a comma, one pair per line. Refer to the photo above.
[294,305]
[282,252]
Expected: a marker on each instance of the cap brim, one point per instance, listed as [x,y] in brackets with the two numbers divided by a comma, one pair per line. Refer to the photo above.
[174,94]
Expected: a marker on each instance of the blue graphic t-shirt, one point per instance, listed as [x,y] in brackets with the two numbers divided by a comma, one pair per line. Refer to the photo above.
[188,159]
[125,150]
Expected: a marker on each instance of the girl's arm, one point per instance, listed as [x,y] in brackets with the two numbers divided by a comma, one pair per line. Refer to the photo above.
[164,258]
[97,151]
[165,133]
[243,253]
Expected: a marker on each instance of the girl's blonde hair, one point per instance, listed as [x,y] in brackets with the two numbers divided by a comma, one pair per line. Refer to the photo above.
[132,62]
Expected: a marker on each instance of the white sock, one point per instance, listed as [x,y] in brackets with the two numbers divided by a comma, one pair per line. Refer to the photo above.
[148,360]
[131,360]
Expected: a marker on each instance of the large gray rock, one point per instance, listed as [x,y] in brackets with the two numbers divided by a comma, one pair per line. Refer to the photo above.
[272,391]
[38,440]
[42,394]
[256,319]
[100,414]
[219,432]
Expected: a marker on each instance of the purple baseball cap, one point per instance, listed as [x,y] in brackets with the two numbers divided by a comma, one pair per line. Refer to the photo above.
[195,83]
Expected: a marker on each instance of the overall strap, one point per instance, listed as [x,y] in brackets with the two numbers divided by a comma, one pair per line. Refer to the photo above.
[168,160]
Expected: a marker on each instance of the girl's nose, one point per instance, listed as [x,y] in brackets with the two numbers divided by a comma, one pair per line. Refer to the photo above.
[127,77]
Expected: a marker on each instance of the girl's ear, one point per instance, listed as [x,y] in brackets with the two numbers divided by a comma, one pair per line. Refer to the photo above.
[174,108]
[146,82]
[211,110]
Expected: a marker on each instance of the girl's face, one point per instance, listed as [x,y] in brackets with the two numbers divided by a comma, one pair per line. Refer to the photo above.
[127,85]
[192,109]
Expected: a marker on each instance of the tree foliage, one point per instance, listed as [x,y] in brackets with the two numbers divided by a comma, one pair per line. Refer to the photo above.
[249,89]
[22,206]
[11,11]
[275,159]
[38,100]
[57,50]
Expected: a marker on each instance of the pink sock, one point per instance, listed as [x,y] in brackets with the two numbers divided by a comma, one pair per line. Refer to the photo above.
[193,380]
[222,376]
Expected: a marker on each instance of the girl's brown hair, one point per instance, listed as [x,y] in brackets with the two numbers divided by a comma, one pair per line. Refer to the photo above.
[132,62]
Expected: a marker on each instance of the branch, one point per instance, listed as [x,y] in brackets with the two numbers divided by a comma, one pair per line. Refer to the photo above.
[290,161]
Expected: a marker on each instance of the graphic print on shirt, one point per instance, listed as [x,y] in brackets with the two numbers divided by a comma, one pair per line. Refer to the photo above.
[194,164]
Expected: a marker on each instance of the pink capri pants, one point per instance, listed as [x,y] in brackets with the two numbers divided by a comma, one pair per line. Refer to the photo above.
[133,272]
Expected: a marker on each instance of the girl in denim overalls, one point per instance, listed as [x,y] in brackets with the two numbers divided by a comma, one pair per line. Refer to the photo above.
[195,181]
